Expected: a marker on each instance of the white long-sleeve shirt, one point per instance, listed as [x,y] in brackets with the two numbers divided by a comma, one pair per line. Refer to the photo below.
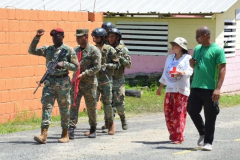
[173,82]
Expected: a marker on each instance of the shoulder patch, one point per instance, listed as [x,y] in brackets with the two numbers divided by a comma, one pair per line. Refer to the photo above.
[124,49]
[74,58]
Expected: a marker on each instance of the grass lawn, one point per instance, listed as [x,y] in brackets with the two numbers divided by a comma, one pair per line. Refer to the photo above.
[150,102]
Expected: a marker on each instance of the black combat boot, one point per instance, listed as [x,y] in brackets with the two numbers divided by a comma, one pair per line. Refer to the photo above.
[105,126]
[124,122]
[92,132]
[71,132]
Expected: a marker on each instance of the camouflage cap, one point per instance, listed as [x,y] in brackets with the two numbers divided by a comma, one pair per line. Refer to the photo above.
[81,32]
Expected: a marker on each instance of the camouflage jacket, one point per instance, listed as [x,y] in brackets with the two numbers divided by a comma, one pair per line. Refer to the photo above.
[109,62]
[121,42]
[124,59]
[51,52]
[90,63]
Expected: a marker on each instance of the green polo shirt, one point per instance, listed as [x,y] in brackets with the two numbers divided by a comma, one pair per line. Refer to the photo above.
[206,70]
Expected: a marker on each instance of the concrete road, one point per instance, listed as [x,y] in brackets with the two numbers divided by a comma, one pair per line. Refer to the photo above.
[147,138]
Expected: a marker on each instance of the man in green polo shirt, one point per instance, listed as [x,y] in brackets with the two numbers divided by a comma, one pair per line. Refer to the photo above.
[209,65]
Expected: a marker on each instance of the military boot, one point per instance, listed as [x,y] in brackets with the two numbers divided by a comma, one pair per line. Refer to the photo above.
[71,132]
[43,137]
[92,133]
[105,125]
[124,122]
[111,128]
[64,138]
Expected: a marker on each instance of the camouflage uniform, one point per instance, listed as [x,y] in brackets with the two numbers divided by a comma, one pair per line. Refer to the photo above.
[107,26]
[119,81]
[90,64]
[121,42]
[109,59]
[56,86]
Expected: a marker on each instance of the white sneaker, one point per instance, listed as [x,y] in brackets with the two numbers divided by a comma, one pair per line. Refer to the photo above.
[200,140]
[207,147]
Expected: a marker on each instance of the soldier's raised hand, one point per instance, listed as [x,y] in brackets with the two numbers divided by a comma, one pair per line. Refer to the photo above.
[40,32]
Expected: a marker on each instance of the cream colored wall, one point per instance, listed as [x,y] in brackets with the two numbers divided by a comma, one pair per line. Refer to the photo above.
[219,31]
[177,27]
[229,14]
[187,28]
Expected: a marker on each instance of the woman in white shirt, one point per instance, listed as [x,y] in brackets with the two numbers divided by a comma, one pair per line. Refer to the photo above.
[176,77]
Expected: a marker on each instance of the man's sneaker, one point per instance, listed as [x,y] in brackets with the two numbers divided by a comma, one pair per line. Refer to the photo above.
[71,132]
[200,140]
[207,147]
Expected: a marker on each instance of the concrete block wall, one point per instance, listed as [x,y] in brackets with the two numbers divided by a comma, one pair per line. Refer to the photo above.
[148,64]
[19,70]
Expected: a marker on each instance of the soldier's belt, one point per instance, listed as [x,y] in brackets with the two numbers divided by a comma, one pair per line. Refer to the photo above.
[60,76]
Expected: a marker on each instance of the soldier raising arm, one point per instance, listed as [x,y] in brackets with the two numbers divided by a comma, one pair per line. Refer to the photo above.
[73,65]
[56,86]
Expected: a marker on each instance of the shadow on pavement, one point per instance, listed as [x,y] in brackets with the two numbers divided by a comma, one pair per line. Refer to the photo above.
[158,142]
[28,142]
[177,148]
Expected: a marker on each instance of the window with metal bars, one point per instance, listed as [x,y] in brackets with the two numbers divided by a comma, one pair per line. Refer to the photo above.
[229,36]
[145,38]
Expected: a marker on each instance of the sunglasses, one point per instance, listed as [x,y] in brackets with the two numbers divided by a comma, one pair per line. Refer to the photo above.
[207,34]
[198,36]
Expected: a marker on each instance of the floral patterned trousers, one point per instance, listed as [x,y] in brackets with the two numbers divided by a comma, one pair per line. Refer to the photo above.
[175,110]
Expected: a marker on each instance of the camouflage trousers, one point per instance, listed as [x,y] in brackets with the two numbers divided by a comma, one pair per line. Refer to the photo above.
[89,93]
[105,89]
[119,96]
[56,88]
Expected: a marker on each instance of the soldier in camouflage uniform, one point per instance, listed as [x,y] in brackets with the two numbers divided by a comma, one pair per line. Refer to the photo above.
[109,63]
[114,37]
[90,64]
[107,26]
[56,86]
